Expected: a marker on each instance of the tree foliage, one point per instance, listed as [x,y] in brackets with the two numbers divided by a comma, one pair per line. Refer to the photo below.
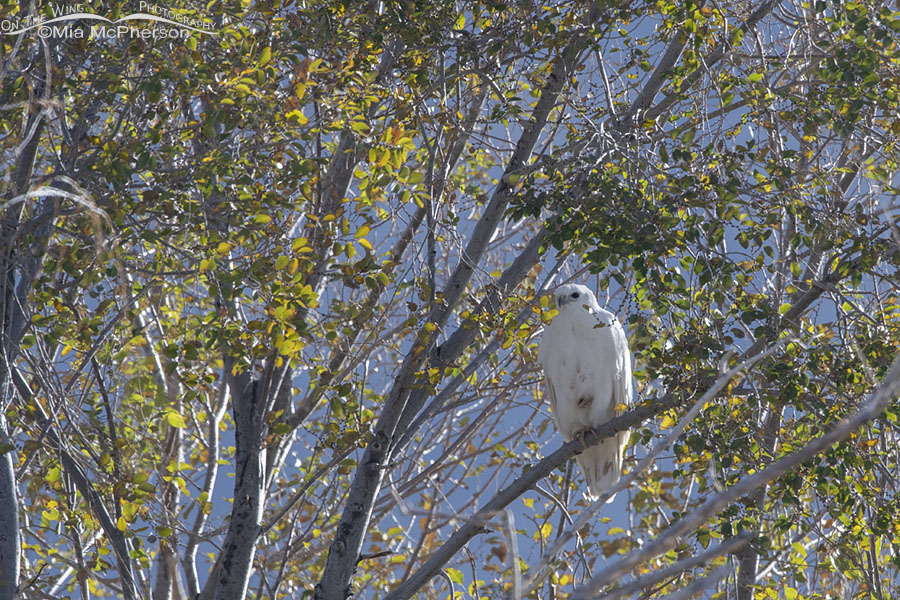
[272,295]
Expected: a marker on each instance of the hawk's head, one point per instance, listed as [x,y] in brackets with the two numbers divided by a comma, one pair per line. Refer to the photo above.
[573,292]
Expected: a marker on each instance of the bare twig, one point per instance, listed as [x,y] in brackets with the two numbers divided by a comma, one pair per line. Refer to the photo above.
[695,587]
[509,532]
[301,491]
[654,577]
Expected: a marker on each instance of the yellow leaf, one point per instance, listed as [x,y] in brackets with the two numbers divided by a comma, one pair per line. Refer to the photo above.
[455,575]
[52,475]
[365,244]
[129,510]
[121,525]
[667,422]
[176,420]
[297,116]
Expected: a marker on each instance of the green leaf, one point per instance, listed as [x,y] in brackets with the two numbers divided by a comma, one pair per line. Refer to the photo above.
[264,56]
[337,407]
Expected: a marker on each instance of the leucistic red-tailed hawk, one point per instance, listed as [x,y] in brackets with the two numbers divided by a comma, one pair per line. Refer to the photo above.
[587,365]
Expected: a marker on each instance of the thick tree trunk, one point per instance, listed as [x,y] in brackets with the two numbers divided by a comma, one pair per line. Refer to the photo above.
[9,518]
[12,327]
[231,573]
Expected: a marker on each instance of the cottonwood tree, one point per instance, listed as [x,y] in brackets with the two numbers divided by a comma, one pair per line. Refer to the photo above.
[272,295]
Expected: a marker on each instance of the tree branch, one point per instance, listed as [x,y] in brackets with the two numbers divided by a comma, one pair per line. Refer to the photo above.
[715,56]
[347,543]
[86,489]
[653,577]
[888,390]
[464,336]
[588,515]
[654,83]
[475,525]
[189,561]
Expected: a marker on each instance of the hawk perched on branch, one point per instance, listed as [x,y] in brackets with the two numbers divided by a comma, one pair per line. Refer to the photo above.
[587,364]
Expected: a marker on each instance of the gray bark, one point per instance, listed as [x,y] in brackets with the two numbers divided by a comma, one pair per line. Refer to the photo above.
[231,573]
[9,517]
[12,327]
[655,83]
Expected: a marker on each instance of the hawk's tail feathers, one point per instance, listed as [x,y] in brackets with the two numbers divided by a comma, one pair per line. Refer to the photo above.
[602,466]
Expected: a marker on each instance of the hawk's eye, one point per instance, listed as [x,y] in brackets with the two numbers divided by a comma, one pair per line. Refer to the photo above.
[575,294]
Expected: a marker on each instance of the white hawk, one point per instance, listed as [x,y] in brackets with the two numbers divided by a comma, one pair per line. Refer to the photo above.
[587,365]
